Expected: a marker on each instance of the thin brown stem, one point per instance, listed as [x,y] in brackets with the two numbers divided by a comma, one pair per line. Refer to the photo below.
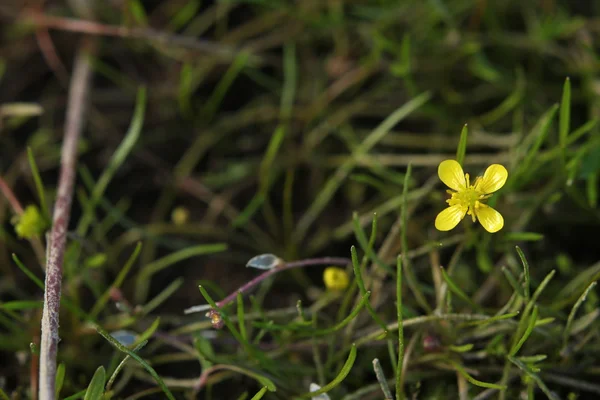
[40,20]
[80,82]
[10,196]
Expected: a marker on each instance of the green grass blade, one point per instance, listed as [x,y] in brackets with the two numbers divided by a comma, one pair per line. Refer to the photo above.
[527,279]
[550,394]
[338,379]
[574,310]
[212,105]
[565,119]
[461,150]
[60,379]
[102,300]
[260,394]
[39,185]
[362,288]
[532,320]
[121,365]
[133,355]
[240,315]
[117,159]
[334,183]
[399,377]
[364,245]
[95,390]
[411,280]
[143,277]
[458,291]
[474,381]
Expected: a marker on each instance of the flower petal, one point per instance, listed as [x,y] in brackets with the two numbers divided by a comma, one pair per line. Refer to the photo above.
[493,179]
[451,173]
[489,218]
[450,217]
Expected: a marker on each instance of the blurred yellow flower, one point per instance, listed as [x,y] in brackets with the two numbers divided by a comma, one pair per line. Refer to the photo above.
[180,216]
[31,223]
[468,199]
[335,278]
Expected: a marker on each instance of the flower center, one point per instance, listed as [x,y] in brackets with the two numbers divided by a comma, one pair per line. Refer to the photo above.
[468,198]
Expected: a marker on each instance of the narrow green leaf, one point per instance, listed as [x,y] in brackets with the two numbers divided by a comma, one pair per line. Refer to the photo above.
[21,305]
[400,363]
[364,245]
[147,334]
[362,289]
[565,118]
[133,355]
[550,394]
[379,374]
[525,272]
[592,189]
[462,145]
[459,368]
[345,321]
[162,296]
[117,159]
[217,96]
[236,334]
[78,395]
[102,300]
[532,320]
[260,394]
[95,389]
[143,277]
[538,134]
[60,379]
[574,310]
[27,272]
[533,359]
[338,379]
[508,104]
[3,396]
[411,280]
[492,319]
[240,315]
[185,89]
[523,236]
[121,365]
[458,291]
[184,15]
[39,185]
[137,11]
[513,281]
[461,349]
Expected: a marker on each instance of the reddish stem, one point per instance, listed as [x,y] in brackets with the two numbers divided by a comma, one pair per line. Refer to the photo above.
[10,196]
[80,83]
[294,264]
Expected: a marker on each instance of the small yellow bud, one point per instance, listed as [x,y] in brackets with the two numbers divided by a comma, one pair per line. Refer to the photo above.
[30,223]
[335,278]
[180,216]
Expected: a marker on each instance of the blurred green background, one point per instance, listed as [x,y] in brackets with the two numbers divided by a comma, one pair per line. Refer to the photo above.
[261,126]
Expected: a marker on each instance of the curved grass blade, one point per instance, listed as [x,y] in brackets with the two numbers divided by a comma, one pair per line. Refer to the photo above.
[338,379]
[140,360]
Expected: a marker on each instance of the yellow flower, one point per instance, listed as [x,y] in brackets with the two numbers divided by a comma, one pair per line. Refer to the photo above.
[31,223]
[180,216]
[335,278]
[468,199]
